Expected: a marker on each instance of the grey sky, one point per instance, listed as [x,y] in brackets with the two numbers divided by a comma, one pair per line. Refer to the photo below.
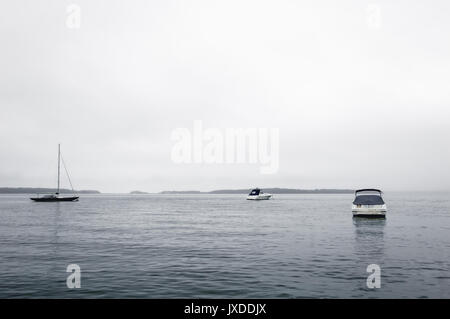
[356,105]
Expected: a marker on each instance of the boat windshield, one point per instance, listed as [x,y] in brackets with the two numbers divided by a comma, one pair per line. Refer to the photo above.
[368,197]
[255,192]
[368,200]
[368,193]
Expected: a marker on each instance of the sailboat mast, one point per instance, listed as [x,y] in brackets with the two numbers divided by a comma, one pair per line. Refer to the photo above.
[59,161]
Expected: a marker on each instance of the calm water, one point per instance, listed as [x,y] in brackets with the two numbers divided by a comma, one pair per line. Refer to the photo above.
[211,246]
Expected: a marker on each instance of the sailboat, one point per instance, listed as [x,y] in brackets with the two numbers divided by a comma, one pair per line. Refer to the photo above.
[55,197]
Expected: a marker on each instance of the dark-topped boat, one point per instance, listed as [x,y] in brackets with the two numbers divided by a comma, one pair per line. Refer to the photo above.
[56,197]
[257,194]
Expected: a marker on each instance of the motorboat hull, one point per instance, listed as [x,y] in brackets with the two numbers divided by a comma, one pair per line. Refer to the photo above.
[259,197]
[55,199]
[370,212]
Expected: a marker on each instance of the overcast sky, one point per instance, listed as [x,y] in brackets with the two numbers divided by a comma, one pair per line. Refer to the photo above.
[360,99]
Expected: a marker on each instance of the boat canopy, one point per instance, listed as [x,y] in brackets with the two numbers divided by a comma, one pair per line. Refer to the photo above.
[368,190]
[255,191]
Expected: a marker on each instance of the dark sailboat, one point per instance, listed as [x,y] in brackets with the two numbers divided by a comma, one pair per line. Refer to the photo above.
[55,197]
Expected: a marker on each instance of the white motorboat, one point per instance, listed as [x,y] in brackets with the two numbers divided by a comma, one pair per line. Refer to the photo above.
[257,194]
[369,203]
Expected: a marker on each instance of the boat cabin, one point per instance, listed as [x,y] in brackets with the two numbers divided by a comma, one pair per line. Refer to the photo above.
[255,192]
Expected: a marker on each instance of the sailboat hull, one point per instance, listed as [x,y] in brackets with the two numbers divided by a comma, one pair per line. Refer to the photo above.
[55,199]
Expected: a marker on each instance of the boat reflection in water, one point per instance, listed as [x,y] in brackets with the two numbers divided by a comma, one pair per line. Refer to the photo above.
[369,239]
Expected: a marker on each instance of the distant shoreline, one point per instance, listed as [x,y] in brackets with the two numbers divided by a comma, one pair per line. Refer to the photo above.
[267,190]
[39,190]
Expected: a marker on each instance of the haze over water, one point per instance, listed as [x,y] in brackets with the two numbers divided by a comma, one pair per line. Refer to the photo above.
[222,246]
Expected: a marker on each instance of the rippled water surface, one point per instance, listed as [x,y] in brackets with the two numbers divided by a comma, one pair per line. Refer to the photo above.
[222,246]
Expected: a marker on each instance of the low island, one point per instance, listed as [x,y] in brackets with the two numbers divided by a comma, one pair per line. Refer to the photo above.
[267,190]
